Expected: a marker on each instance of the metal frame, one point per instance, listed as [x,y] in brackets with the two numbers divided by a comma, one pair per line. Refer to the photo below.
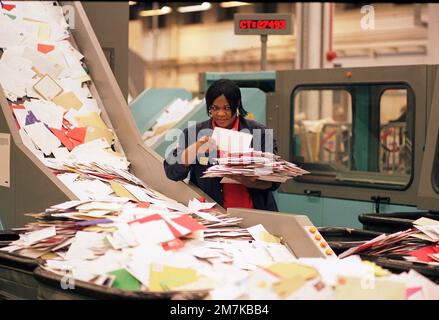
[293,229]
[279,114]
[428,195]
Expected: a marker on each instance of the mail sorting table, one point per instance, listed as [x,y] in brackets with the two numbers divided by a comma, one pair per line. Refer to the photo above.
[391,223]
[16,273]
[17,280]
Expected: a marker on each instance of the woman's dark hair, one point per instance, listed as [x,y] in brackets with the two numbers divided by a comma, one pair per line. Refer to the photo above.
[230,90]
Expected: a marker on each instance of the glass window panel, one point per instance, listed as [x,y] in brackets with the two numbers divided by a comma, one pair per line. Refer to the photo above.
[358,134]
[322,126]
[395,149]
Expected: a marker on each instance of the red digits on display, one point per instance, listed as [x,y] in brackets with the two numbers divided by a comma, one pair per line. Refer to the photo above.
[262,24]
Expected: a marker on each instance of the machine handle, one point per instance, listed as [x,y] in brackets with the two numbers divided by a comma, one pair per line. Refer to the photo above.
[312,193]
[377,200]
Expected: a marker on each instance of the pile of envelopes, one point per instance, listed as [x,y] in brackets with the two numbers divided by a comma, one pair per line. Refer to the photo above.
[47,85]
[164,247]
[419,244]
[168,118]
[263,165]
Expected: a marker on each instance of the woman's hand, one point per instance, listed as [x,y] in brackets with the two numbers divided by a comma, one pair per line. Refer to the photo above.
[204,144]
[200,146]
[251,182]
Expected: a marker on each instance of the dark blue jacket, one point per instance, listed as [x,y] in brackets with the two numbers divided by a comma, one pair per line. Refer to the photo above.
[262,199]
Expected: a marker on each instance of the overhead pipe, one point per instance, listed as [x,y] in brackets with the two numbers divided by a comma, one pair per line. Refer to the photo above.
[331,54]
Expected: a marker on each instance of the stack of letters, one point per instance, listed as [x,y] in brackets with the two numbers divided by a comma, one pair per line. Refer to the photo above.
[419,244]
[263,165]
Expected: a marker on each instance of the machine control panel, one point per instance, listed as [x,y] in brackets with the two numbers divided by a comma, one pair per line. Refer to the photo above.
[319,241]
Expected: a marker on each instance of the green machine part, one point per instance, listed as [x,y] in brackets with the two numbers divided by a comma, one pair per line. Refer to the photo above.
[147,107]
[253,99]
[330,212]
[264,80]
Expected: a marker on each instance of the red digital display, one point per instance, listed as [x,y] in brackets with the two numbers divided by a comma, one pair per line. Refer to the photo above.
[276,24]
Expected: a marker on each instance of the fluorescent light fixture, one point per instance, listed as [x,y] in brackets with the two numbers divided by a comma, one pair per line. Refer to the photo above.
[155,12]
[232,4]
[199,7]
[132,3]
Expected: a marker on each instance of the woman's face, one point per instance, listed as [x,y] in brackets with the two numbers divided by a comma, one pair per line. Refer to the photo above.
[221,113]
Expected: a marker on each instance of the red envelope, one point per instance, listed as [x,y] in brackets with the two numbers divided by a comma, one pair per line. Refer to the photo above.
[174,231]
[75,143]
[189,223]
[45,48]
[78,134]
[152,217]
[102,175]
[66,123]
[61,135]
[12,111]
[143,205]
[8,7]
[422,254]
[173,244]
[412,291]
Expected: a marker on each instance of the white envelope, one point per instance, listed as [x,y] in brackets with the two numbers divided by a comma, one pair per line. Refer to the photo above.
[46,111]
[35,236]
[232,141]
[42,137]
[154,232]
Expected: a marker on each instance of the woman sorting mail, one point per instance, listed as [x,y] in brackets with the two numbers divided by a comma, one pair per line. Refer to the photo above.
[227,134]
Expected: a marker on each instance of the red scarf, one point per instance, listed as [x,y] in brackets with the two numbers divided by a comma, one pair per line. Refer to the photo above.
[235,195]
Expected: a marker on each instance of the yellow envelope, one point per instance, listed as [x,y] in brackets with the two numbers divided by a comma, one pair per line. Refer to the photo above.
[32,253]
[286,287]
[121,191]
[49,256]
[166,278]
[91,119]
[164,127]
[353,288]
[114,153]
[68,100]
[100,229]
[202,283]
[84,78]
[425,222]
[378,271]
[94,133]
[268,237]
[290,269]
[84,217]
[44,31]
